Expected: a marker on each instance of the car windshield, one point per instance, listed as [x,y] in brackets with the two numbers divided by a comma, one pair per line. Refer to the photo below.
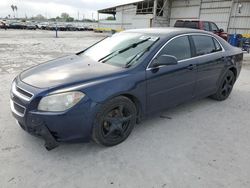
[120,49]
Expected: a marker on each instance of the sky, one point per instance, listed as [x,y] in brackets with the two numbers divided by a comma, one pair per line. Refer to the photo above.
[53,8]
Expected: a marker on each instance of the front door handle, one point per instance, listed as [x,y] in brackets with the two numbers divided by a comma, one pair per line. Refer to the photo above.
[191,67]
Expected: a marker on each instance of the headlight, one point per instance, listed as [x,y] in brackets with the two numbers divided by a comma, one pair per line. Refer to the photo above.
[60,102]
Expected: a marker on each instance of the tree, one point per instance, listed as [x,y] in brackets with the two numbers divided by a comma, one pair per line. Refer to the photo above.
[52,19]
[39,17]
[69,19]
[110,18]
[13,9]
[64,15]
[87,20]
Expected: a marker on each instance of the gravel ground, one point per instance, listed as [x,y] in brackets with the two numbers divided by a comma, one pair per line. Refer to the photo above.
[22,49]
[200,144]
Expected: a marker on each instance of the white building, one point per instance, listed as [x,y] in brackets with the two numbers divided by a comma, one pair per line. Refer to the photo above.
[231,15]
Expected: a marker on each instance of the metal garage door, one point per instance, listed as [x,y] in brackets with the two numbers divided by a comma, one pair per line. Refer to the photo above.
[217,11]
[240,19]
[187,9]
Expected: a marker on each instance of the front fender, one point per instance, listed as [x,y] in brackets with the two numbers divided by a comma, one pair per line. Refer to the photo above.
[133,84]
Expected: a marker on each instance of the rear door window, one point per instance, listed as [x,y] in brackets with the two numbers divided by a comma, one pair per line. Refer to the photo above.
[206,26]
[214,27]
[178,47]
[203,44]
[217,45]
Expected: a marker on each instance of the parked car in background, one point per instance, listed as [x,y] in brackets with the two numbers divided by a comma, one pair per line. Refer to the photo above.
[31,26]
[71,27]
[89,28]
[61,27]
[42,25]
[51,26]
[203,25]
[101,92]
[81,28]
[3,25]
[246,45]
[17,25]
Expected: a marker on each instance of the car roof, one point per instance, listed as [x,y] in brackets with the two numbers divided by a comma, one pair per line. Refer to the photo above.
[167,31]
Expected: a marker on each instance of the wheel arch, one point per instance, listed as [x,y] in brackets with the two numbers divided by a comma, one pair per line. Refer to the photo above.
[133,99]
[137,103]
[234,70]
[231,68]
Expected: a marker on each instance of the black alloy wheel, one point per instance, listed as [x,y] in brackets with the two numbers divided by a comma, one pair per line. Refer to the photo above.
[114,122]
[226,87]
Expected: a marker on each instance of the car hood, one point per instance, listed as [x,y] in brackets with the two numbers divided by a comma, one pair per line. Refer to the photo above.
[67,70]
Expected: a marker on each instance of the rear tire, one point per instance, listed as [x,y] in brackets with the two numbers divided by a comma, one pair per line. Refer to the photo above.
[114,122]
[226,87]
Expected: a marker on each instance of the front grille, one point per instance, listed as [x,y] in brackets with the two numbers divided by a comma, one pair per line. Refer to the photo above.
[17,108]
[21,93]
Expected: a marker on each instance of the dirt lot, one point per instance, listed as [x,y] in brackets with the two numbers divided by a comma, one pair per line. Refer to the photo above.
[201,144]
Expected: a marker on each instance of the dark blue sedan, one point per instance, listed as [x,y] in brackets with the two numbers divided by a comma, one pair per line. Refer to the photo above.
[101,92]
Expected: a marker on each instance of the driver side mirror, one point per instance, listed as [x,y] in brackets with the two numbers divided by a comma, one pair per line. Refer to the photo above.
[164,60]
[221,30]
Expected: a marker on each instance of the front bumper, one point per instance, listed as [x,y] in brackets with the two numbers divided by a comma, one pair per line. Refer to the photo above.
[42,131]
[73,125]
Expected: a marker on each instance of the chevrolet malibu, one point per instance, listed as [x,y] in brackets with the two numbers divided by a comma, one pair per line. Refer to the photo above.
[101,92]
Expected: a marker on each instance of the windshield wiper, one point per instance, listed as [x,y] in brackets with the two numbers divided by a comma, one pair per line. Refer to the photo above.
[138,55]
[115,53]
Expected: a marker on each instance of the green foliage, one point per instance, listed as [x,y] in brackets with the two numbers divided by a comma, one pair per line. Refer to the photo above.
[70,19]
[39,17]
[65,15]
[87,20]
[110,18]
[52,19]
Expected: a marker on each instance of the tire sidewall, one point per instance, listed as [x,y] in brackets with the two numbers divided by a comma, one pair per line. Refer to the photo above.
[97,135]
[218,94]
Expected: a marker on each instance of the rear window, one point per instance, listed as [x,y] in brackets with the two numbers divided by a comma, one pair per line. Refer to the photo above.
[205,45]
[217,45]
[187,24]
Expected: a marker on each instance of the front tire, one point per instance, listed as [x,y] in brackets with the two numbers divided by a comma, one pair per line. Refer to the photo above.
[114,122]
[226,87]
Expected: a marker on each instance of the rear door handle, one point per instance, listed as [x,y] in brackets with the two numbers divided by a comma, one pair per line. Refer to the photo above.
[191,67]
